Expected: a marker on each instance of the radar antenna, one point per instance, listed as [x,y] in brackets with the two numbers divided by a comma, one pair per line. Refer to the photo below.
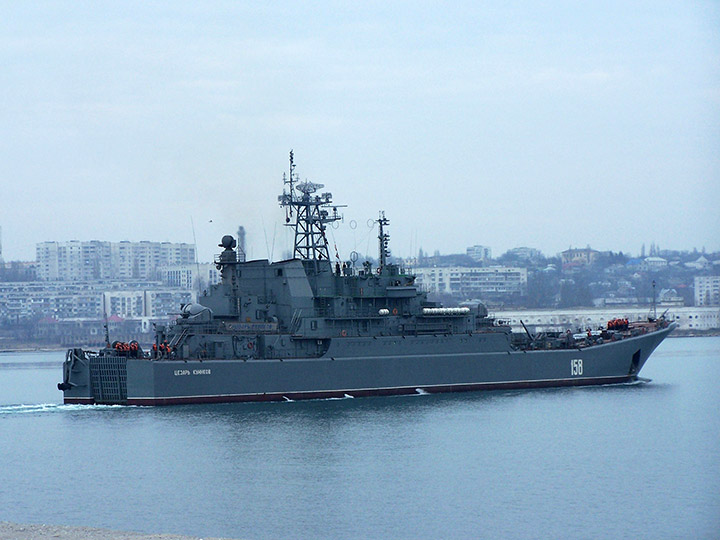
[312,213]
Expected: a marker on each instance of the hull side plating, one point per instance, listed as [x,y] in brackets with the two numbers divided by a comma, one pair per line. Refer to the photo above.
[165,382]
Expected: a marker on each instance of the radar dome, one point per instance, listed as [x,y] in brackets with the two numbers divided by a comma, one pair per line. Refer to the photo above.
[228,242]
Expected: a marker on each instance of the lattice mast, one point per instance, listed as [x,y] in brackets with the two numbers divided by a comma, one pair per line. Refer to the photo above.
[383,240]
[308,215]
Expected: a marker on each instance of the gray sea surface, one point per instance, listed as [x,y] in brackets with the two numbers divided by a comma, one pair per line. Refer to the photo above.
[629,461]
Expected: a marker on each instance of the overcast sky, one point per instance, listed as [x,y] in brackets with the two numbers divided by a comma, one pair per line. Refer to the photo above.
[541,124]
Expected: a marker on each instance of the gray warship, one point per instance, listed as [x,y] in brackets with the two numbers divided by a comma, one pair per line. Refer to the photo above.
[312,328]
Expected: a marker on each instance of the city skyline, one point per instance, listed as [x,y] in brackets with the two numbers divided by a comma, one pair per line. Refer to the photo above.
[207,253]
[646,250]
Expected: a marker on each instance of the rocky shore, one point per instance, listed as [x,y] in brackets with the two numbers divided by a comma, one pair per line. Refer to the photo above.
[19,531]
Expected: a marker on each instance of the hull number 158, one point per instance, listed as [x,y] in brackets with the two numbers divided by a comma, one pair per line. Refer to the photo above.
[576,367]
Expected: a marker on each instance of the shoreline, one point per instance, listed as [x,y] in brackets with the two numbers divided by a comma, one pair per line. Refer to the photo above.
[32,349]
[694,333]
[27,531]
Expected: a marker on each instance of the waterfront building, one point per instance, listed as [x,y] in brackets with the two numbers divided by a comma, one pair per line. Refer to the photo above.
[195,277]
[84,332]
[670,297]
[707,290]
[96,260]
[30,300]
[494,282]
[539,320]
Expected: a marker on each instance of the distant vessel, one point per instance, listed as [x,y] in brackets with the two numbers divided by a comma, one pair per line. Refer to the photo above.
[310,327]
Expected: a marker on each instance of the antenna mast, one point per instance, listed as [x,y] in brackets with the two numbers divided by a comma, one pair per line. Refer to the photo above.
[654,305]
[105,326]
[312,213]
[383,240]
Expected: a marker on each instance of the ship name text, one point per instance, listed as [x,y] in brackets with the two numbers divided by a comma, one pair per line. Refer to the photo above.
[182,372]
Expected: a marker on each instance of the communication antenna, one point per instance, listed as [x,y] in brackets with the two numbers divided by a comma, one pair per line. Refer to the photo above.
[654,305]
[107,332]
[105,326]
[312,213]
[383,240]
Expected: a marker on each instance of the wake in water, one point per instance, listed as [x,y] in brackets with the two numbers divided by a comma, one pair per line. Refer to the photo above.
[52,407]
[345,396]
[637,382]
[640,380]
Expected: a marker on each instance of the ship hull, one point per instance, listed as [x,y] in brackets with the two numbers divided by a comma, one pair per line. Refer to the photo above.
[361,367]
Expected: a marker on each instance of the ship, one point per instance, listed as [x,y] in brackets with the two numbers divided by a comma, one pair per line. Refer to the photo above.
[315,327]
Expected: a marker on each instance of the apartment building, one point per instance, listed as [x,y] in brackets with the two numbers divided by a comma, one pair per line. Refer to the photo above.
[22,301]
[190,276]
[96,260]
[494,282]
[707,290]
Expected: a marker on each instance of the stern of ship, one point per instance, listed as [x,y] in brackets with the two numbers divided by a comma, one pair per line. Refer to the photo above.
[89,377]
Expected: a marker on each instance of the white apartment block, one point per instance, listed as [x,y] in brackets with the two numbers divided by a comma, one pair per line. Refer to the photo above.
[525,252]
[190,276]
[23,301]
[153,303]
[470,282]
[479,253]
[93,260]
[707,290]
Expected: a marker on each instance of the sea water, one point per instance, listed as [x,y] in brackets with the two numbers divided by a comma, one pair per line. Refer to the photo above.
[628,461]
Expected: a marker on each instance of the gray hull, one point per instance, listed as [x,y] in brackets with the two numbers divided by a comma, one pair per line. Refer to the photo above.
[358,367]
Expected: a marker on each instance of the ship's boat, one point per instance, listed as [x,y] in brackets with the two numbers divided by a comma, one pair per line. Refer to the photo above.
[313,327]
